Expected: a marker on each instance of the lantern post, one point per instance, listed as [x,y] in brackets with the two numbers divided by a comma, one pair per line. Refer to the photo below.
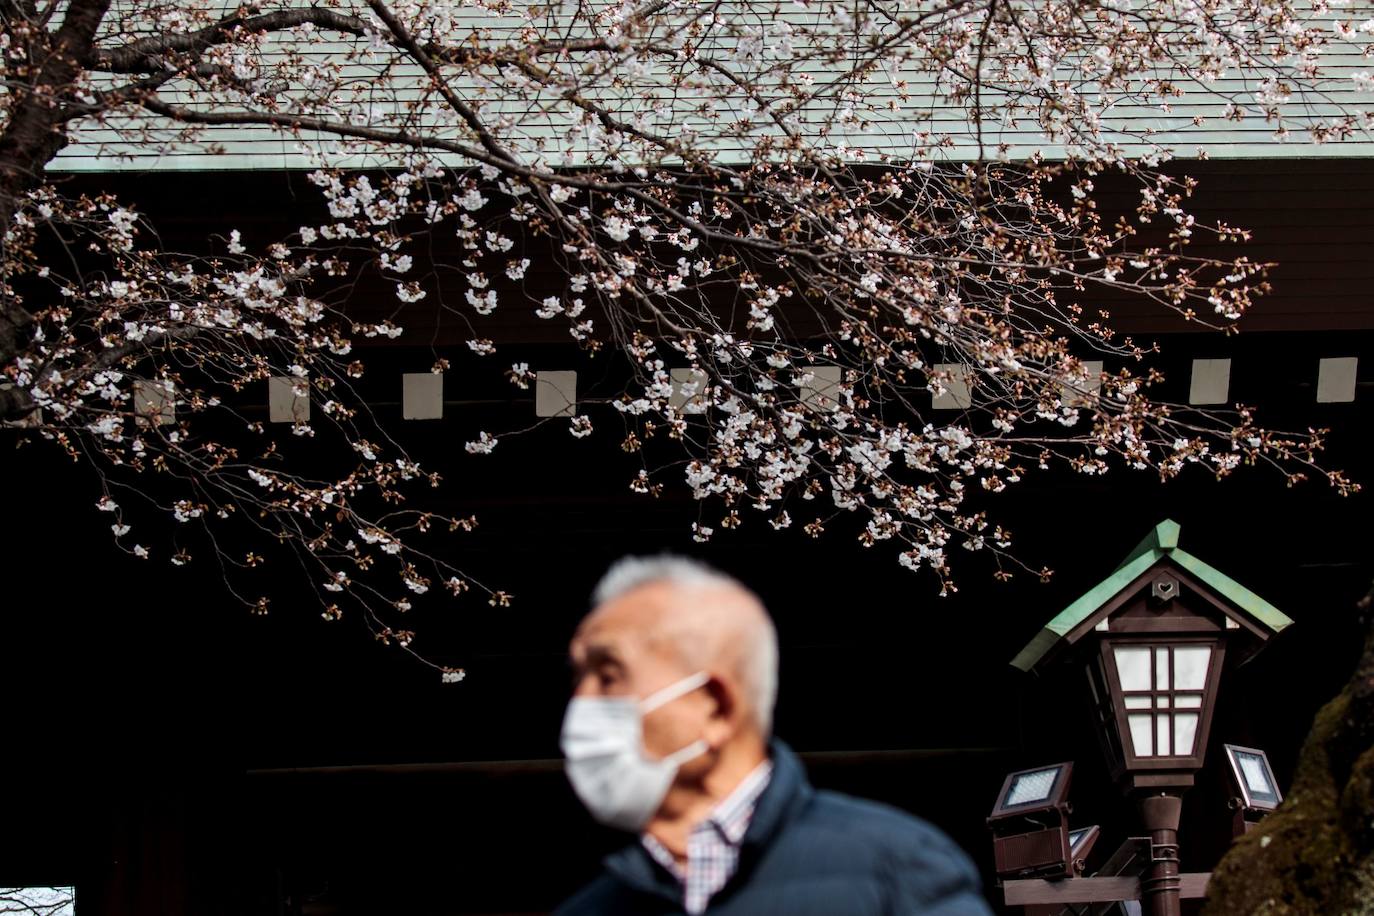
[1155,638]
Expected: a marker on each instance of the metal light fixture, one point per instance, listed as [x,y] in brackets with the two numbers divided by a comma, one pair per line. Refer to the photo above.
[1030,823]
[1155,695]
[1081,843]
[1257,790]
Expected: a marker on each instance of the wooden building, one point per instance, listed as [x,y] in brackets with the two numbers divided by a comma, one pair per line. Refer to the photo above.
[168,754]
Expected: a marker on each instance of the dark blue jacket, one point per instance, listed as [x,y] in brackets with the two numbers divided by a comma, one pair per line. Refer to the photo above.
[806,853]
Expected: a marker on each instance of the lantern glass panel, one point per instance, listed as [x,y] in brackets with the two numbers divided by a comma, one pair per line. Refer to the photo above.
[1142,734]
[1190,667]
[1102,704]
[1157,697]
[1185,733]
[1133,667]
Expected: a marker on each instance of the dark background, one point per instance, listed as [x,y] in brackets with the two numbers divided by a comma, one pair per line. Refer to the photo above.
[168,753]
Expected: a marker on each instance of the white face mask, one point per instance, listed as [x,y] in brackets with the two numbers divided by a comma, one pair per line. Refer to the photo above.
[602,741]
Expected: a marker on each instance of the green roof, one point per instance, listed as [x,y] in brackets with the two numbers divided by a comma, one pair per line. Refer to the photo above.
[1161,543]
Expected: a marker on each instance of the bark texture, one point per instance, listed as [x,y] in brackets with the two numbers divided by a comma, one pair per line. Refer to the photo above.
[34,132]
[1314,856]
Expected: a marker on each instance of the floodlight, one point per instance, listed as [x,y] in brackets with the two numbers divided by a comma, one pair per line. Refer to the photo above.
[1029,823]
[1081,843]
[1036,789]
[1253,779]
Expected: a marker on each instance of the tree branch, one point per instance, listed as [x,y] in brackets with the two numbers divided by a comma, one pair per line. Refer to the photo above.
[144,54]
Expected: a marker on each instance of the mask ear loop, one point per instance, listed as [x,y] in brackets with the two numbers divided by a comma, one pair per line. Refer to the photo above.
[673,691]
[695,749]
[667,695]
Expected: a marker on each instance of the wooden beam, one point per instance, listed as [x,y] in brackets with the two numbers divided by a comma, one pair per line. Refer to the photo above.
[1193,884]
[1042,892]
[1034,891]
[555,764]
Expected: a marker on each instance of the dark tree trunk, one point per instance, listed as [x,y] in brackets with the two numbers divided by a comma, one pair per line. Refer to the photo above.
[1315,854]
[35,130]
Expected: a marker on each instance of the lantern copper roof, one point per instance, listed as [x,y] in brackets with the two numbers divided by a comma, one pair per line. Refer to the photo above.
[1160,546]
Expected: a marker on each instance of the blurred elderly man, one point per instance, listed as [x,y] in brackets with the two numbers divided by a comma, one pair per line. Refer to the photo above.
[668,735]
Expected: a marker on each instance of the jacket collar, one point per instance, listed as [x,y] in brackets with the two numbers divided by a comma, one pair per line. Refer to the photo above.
[787,792]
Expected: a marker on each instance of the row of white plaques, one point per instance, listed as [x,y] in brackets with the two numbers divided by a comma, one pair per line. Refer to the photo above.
[555,392]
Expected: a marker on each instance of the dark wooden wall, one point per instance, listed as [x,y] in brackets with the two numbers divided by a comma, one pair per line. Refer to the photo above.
[1313,218]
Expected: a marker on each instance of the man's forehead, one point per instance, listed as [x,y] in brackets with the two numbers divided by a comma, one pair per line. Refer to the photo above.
[602,637]
[625,620]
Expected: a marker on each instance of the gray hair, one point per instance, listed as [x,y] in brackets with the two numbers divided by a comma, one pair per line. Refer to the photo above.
[759,656]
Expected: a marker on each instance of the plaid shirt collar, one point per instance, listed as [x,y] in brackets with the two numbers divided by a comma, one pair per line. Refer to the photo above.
[713,844]
[734,812]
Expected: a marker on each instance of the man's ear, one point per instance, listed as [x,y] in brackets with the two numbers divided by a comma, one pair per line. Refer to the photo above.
[724,714]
